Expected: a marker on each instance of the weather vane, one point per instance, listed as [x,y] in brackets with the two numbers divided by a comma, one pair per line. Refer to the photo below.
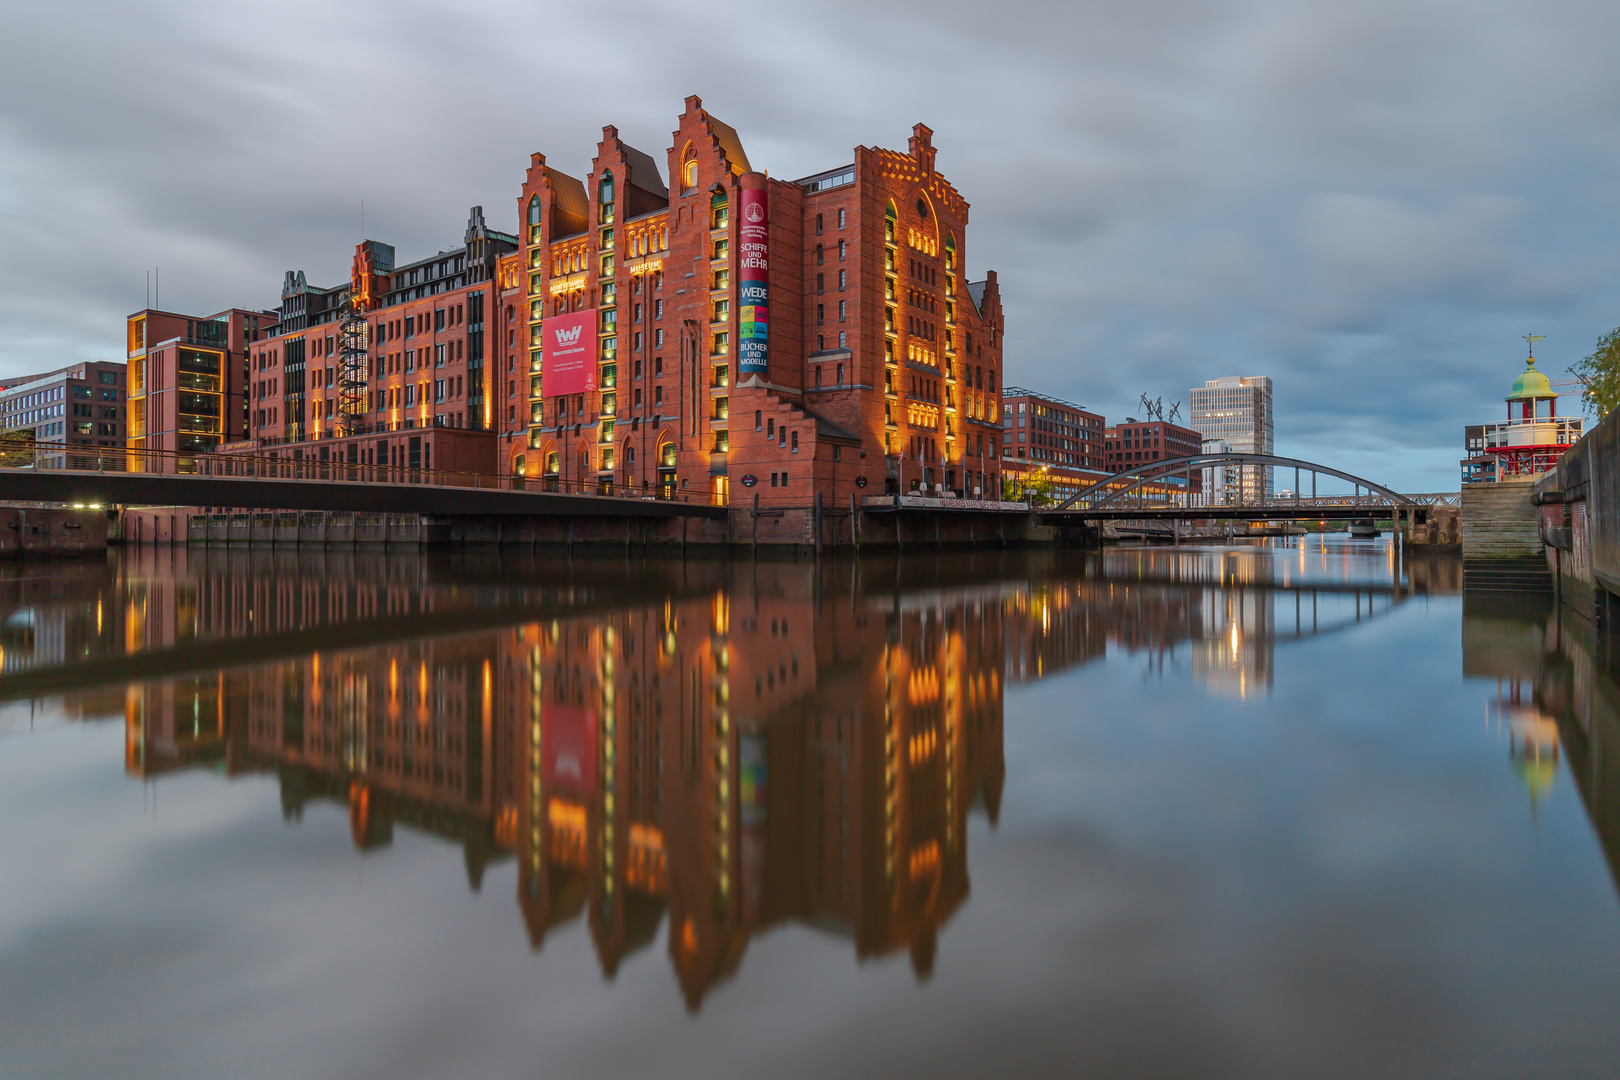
[1531,339]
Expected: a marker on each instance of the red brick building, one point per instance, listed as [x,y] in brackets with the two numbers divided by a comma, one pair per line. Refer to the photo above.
[187,377]
[882,367]
[880,372]
[1134,442]
[429,358]
[1046,430]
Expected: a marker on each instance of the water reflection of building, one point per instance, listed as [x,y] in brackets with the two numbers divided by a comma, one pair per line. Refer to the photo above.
[745,750]
[1557,702]
[1236,647]
[724,763]
[742,763]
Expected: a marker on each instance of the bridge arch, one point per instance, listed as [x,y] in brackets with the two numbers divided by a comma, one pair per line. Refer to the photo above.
[1105,491]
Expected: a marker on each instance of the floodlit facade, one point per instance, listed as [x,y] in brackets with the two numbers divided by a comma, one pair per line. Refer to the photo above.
[669,326]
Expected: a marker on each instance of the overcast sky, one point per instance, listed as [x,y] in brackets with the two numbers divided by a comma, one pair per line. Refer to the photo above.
[1367,202]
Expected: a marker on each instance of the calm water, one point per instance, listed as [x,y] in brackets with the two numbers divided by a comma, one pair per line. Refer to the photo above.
[1251,811]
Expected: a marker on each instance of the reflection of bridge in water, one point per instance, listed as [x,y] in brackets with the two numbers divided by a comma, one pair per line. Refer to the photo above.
[1226,609]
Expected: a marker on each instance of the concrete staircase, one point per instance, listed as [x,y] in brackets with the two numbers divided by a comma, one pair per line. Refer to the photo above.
[1499,521]
[1523,575]
[1501,541]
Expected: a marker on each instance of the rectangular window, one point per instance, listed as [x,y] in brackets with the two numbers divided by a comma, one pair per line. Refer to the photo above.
[843,308]
[658,310]
[821,314]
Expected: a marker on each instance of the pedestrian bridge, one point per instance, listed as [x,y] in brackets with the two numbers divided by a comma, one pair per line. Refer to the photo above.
[1162,490]
[160,478]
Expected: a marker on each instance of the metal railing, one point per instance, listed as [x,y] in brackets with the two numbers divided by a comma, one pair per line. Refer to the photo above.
[1167,485]
[71,459]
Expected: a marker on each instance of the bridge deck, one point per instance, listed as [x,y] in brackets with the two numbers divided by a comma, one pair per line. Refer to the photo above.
[1303,511]
[361,496]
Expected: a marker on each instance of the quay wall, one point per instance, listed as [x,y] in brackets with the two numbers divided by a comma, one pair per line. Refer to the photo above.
[780,528]
[1578,515]
[48,532]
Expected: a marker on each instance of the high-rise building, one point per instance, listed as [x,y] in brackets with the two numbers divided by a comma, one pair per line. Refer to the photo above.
[1237,411]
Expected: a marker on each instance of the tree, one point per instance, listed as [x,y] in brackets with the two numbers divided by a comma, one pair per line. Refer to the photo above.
[1035,490]
[1600,375]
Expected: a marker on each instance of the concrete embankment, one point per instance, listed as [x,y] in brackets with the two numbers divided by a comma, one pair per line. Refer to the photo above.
[1578,517]
[787,530]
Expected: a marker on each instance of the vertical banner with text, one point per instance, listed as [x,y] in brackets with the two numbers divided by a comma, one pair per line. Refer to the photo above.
[569,360]
[754,268]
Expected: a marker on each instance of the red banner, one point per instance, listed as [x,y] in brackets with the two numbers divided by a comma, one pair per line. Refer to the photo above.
[569,360]
[569,733]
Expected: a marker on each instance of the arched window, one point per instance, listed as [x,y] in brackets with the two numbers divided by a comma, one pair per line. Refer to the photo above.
[534,219]
[666,455]
[604,199]
[889,219]
[717,210]
[552,462]
[950,252]
[689,169]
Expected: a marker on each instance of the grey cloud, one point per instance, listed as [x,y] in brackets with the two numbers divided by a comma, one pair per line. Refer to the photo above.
[1351,199]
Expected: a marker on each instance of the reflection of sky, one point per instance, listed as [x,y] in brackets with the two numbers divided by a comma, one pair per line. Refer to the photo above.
[1339,879]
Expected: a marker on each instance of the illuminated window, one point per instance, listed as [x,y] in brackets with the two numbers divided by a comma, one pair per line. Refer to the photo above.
[689,169]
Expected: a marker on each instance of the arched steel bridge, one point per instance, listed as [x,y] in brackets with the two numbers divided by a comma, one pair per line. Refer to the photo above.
[1163,490]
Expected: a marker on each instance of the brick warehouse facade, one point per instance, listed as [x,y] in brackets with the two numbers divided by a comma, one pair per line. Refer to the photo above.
[880,373]
[883,363]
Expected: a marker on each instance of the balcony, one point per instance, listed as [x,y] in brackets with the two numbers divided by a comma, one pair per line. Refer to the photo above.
[1526,433]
